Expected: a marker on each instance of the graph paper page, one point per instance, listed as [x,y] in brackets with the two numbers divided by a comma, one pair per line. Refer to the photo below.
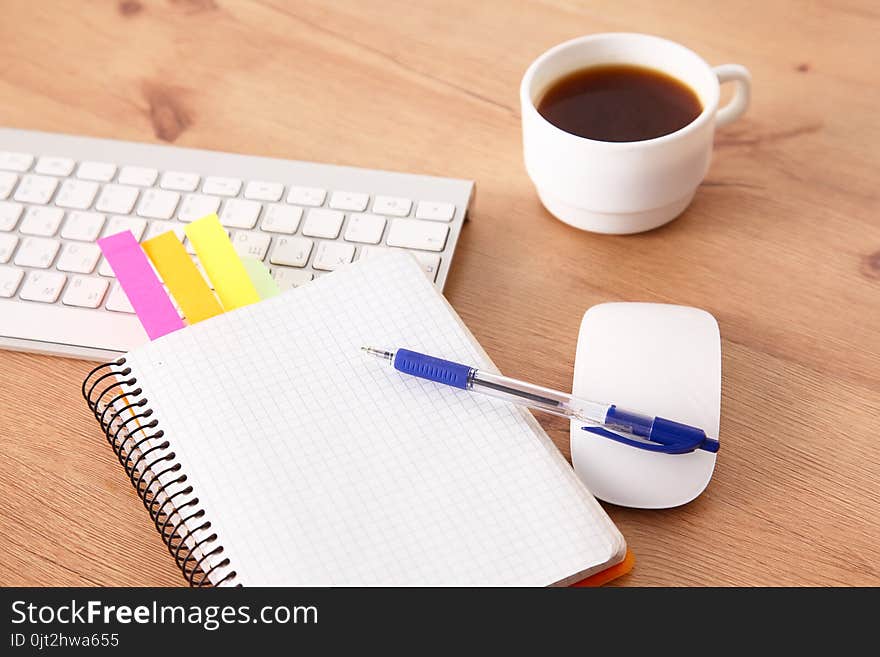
[319,465]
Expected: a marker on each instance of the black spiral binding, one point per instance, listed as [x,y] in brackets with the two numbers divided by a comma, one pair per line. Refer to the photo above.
[111,393]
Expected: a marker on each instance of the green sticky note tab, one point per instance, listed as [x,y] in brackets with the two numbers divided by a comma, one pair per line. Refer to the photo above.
[261,278]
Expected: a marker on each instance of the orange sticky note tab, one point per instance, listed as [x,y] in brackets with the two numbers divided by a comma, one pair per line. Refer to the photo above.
[183,280]
[221,262]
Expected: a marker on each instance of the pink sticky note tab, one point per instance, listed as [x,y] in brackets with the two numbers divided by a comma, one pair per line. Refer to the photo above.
[137,278]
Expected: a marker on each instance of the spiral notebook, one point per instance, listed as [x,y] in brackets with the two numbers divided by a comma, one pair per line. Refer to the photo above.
[269,450]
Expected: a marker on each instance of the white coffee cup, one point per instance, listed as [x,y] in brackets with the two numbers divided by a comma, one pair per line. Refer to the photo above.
[624,187]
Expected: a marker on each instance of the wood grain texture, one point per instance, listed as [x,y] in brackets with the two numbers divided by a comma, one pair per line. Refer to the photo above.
[781,244]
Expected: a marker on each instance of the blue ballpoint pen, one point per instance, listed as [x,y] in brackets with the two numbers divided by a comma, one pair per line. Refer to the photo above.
[646,432]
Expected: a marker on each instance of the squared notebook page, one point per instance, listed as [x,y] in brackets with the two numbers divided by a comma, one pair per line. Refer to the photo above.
[319,465]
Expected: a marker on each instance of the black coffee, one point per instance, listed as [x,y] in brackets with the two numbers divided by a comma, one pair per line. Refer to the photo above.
[619,103]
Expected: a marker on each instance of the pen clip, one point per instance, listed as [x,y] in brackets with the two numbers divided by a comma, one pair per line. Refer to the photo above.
[684,446]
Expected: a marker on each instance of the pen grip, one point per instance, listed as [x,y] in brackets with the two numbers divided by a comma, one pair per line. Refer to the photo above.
[433,369]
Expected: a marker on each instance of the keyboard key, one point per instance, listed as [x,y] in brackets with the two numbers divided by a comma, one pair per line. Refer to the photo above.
[323,223]
[158,204]
[331,255]
[196,206]
[79,258]
[281,218]
[42,221]
[365,228]
[259,190]
[10,278]
[372,251]
[44,286]
[9,214]
[120,223]
[393,206]
[7,183]
[290,278]
[117,301]
[415,234]
[310,196]
[85,292]
[179,181]
[430,263]
[36,189]
[240,214]
[117,199]
[36,252]
[98,171]
[291,251]
[76,194]
[138,176]
[83,226]
[55,166]
[105,269]
[221,186]
[251,245]
[15,161]
[435,211]
[157,227]
[8,242]
[349,201]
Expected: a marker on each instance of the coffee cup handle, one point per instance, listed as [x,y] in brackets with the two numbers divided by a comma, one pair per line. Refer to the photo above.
[740,101]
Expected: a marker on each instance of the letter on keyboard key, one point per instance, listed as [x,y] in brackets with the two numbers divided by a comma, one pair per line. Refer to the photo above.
[79,258]
[332,255]
[196,206]
[349,201]
[121,223]
[117,199]
[323,223]
[36,252]
[7,183]
[434,211]
[415,234]
[281,218]
[10,278]
[9,214]
[179,181]
[158,204]
[365,228]
[260,190]
[291,252]
[98,171]
[138,176]
[36,189]
[221,186]
[8,242]
[41,220]
[310,196]
[44,286]
[76,194]
[251,245]
[392,206]
[85,292]
[240,214]
[15,161]
[117,301]
[83,226]
[288,278]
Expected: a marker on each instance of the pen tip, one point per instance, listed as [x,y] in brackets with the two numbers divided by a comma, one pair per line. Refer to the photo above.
[379,353]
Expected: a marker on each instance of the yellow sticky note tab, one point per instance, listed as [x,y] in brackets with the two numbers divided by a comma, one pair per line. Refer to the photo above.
[261,278]
[183,280]
[221,262]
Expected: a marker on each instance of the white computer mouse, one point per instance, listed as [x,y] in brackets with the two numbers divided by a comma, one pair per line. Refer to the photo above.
[661,360]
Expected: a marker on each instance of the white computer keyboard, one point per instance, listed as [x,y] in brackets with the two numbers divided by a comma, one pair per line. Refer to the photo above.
[60,193]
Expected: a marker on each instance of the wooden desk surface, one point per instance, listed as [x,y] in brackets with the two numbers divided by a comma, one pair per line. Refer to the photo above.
[782,244]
